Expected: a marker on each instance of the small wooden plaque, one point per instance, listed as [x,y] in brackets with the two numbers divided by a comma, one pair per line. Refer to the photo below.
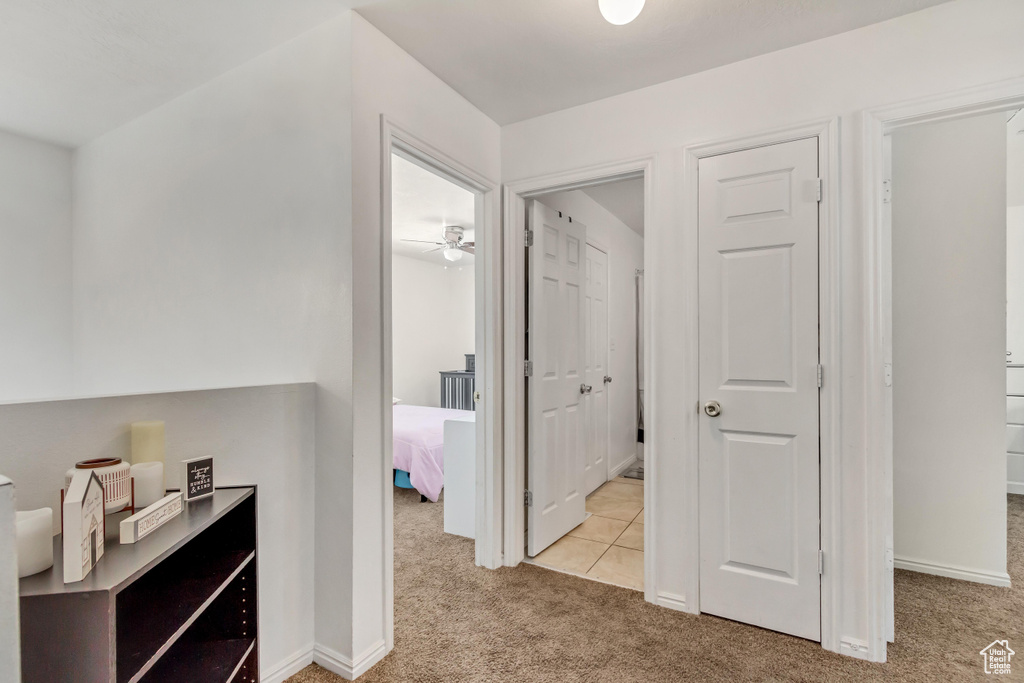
[152,518]
[197,478]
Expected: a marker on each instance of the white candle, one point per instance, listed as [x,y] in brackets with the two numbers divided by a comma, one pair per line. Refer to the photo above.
[35,541]
[149,483]
[148,441]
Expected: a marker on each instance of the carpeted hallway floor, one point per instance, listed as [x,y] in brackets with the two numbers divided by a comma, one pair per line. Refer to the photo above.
[456,622]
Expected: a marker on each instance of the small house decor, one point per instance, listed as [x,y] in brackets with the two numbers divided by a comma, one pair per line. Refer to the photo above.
[83,518]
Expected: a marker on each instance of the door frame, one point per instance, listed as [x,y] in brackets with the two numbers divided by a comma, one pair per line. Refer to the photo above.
[515,195]
[488,284]
[877,267]
[829,316]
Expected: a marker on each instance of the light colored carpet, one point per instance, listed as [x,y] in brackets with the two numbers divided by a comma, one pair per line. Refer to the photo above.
[457,622]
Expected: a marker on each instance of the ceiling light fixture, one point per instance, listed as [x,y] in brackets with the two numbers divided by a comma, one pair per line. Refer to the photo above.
[620,12]
[453,254]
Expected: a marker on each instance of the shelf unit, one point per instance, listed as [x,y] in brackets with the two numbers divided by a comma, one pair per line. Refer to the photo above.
[179,605]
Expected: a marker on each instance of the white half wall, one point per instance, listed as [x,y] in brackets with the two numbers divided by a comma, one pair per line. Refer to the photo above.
[625,254]
[261,436]
[952,46]
[35,269]
[10,628]
[949,339]
[433,326]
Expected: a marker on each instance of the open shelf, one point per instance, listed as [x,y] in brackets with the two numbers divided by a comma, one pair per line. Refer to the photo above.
[212,662]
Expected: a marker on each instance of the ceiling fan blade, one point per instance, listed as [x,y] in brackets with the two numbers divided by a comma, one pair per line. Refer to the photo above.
[431,251]
[423,241]
[468,248]
[469,244]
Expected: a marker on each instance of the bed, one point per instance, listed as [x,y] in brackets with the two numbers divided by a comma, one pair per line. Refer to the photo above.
[418,433]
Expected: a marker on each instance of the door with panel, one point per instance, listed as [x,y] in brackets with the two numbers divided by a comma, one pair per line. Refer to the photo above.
[596,397]
[759,446]
[556,386]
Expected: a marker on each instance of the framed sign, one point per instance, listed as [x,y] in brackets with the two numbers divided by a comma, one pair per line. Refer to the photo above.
[197,478]
[152,518]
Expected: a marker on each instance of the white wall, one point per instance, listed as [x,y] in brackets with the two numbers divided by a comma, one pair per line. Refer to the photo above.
[213,247]
[261,435]
[35,269]
[433,326]
[625,254]
[949,339]
[386,80]
[951,46]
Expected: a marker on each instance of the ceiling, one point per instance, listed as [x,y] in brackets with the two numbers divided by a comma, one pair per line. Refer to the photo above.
[71,71]
[422,204]
[624,200]
[516,59]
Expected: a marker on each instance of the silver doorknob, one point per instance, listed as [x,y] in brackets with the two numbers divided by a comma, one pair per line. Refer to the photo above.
[607,379]
[713,408]
[585,388]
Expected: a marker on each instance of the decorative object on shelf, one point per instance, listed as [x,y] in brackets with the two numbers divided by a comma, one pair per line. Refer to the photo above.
[84,523]
[144,522]
[148,482]
[114,474]
[148,443]
[35,541]
[197,478]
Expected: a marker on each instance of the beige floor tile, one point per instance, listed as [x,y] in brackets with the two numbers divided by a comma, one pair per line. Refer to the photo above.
[621,566]
[616,508]
[614,489]
[631,482]
[600,529]
[632,537]
[572,554]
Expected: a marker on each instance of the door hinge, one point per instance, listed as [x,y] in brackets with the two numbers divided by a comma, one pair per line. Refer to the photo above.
[821,563]
[528,238]
[886,191]
[821,376]
[528,368]
[821,186]
[528,498]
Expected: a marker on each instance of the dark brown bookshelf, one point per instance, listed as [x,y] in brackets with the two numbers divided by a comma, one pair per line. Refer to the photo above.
[179,605]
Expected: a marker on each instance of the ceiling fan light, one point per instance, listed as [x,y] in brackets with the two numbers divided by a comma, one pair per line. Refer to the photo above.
[620,12]
[452,254]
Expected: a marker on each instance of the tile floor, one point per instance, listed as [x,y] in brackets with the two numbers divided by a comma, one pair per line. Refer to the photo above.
[609,545]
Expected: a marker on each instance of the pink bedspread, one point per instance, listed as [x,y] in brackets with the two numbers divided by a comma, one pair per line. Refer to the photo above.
[419,445]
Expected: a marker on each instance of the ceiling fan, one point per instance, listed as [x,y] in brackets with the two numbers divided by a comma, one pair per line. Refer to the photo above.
[452,244]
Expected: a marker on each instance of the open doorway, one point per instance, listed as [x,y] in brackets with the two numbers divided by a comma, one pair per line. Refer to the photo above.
[951,206]
[584,389]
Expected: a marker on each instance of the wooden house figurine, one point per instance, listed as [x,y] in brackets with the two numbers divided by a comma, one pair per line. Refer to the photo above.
[83,512]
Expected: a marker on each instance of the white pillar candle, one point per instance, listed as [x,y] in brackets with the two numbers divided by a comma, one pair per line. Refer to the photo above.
[148,441]
[35,541]
[149,483]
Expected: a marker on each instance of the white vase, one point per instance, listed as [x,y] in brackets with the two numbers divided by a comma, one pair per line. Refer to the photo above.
[35,541]
[116,477]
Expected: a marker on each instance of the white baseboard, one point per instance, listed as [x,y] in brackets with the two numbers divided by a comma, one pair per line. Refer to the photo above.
[1015,487]
[290,666]
[349,669]
[672,601]
[1001,579]
[619,469]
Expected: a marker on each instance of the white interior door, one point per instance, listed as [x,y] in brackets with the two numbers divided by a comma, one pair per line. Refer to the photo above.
[596,398]
[759,490]
[555,390]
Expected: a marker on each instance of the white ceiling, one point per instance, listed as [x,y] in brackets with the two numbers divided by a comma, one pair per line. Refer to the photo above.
[71,71]
[624,200]
[422,205]
[515,59]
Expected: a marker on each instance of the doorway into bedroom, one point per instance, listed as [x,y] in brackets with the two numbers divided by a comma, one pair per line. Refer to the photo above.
[585,389]
[433,304]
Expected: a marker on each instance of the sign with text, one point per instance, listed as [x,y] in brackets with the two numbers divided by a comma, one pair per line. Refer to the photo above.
[153,517]
[197,478]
